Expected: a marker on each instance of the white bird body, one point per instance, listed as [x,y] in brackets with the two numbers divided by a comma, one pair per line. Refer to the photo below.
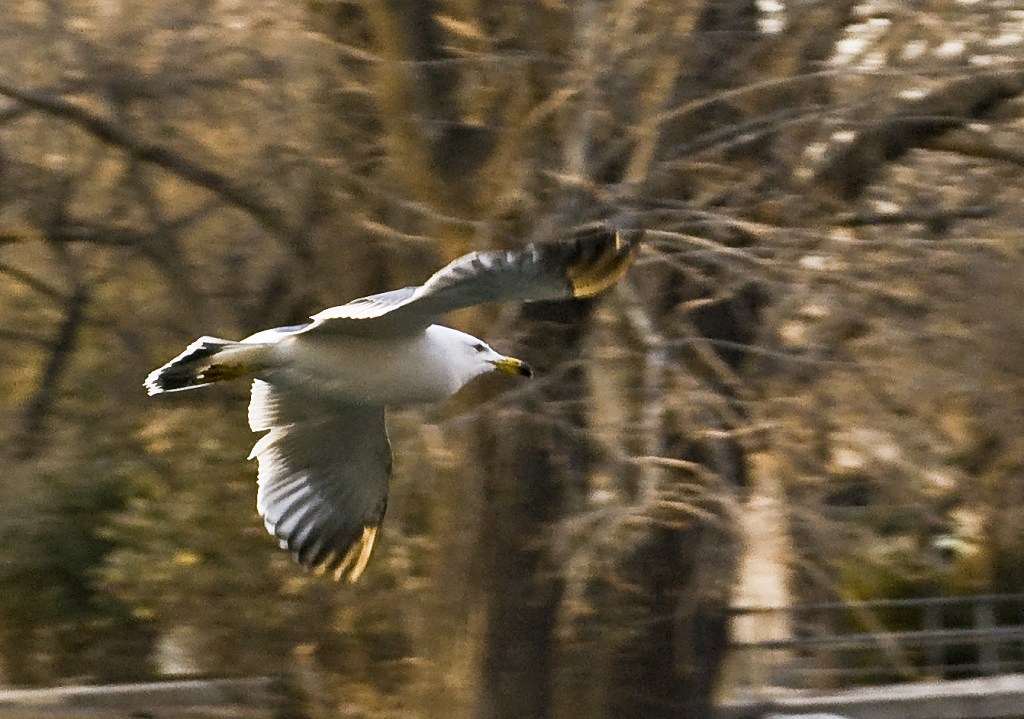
[429,366]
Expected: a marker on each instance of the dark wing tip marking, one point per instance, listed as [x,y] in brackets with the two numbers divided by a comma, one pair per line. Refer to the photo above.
[594,266]
[350,566]
[345,557]
[192,368]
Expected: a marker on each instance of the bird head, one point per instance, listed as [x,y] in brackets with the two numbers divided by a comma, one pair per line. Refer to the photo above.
[485,359]
[498,362]
[470,357]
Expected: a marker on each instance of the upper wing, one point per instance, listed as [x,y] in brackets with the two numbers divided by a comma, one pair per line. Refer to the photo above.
[323,476]
[580,266]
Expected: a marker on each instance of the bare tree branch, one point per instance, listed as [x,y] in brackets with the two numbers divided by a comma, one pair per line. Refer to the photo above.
[931,217]
[915,124]
[246,198]
[9,114]
[971,143]
[41,403]
[30,281]
[19,336]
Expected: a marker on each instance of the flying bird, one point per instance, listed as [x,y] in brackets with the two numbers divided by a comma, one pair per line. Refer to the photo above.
[319,389]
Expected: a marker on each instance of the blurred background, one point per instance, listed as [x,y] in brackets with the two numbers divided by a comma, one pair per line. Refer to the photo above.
[807,390]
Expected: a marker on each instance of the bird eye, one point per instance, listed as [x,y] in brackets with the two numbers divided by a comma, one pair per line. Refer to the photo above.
[480,347]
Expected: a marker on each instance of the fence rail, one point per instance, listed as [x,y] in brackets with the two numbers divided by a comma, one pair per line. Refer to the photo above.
[999,697]
[825,645]
[243,698]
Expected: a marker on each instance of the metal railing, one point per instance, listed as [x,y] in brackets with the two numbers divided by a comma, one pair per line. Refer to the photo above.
[841,644]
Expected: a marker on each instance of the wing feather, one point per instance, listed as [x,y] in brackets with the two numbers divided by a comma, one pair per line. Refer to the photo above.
[323,476]
[366,307]
[580,266]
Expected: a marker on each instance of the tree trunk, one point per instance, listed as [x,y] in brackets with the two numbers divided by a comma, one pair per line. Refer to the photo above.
[533,469]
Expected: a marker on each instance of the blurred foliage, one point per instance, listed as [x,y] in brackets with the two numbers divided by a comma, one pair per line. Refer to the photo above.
[56,621]
[830,282]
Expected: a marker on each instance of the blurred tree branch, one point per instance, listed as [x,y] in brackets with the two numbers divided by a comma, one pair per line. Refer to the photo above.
[32,282]
[22,336]
[915,123]
[974,143]
[243,196]
[62,350]
[932,217]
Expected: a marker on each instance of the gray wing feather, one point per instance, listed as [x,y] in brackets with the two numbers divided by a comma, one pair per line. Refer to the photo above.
[323,476]
[367,307]
[580,266]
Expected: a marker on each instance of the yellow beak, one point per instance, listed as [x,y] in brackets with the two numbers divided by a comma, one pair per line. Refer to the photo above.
[511,365]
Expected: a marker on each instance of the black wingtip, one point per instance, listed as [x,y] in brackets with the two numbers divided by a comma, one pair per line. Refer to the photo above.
[186,371]
[603,253]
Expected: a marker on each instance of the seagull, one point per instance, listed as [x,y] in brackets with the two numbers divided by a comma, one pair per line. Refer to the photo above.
[319,389]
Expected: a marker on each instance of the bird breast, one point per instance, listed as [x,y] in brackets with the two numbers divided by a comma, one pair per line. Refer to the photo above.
[368,370]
